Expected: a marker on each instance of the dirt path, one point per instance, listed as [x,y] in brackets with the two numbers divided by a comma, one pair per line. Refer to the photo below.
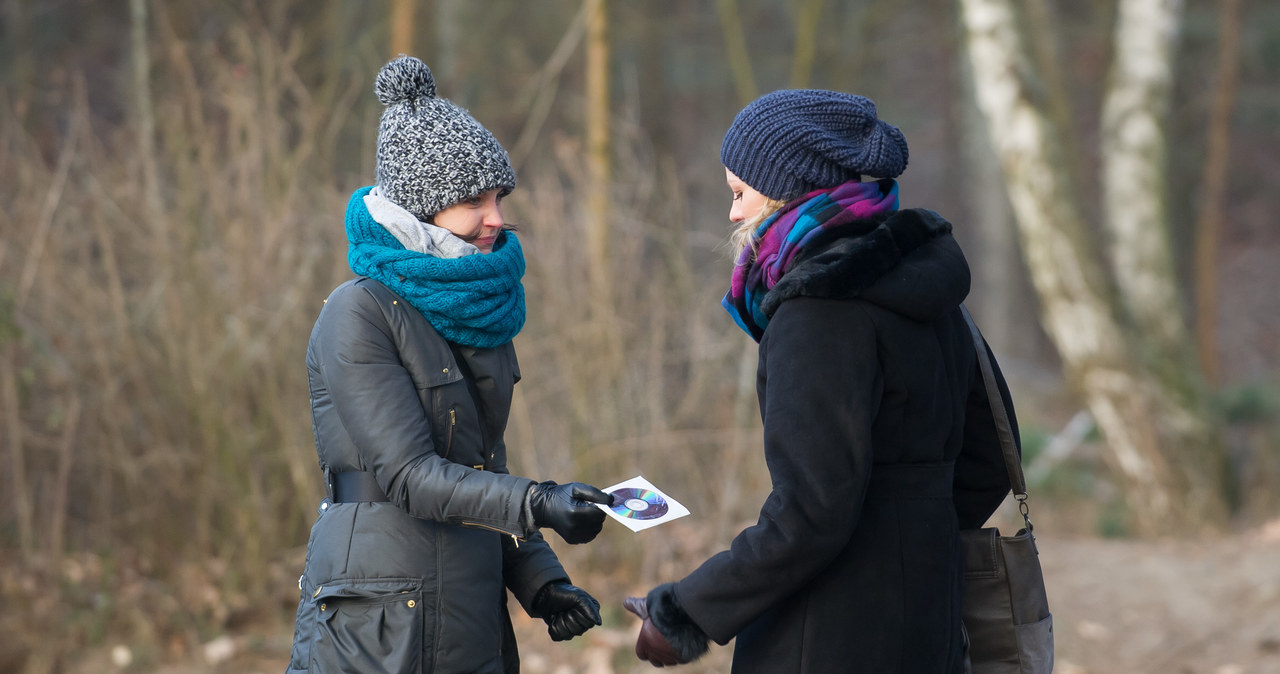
[1119,606]
[1122,606]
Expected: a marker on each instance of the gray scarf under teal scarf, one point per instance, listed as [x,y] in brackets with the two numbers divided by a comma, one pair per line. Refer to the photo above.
[476,301]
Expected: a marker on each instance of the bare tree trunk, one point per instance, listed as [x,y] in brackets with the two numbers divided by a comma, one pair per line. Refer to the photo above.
[401,27]
[15,36]
[1133,165]
[448,30]
[598,121]
[1046,45]
[143,107]
[1135,199]
[62,478]
[612,367]
[1209,219]
[10,405]
[1076,309]
[735,43]
[806,42]
[1000,293]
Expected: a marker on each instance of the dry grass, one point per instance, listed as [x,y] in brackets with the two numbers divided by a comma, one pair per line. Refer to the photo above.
[157,438]
[156,293]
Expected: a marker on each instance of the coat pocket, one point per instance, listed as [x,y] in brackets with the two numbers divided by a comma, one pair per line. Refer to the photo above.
[368,626]
[1035,645]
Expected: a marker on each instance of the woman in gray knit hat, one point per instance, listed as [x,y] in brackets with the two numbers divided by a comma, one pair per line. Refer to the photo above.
[878,431]
[411,371]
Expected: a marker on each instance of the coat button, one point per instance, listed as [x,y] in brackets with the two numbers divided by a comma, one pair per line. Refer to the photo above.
[446,370]
[324,606]
[411,603]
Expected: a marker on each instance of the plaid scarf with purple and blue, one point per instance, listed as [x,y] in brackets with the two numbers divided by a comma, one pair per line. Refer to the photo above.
[781,237]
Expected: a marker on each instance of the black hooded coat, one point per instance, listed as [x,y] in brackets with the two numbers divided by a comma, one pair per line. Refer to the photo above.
[880,446]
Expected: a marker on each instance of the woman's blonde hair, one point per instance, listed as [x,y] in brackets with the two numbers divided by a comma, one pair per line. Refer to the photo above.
[740,238]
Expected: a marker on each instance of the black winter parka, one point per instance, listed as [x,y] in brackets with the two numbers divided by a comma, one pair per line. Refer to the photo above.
[880,446]
[416,583]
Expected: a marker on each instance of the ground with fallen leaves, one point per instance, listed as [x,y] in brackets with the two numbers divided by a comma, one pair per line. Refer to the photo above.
[1168,607]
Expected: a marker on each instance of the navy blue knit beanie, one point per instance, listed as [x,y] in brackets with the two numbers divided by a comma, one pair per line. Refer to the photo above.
[793,141]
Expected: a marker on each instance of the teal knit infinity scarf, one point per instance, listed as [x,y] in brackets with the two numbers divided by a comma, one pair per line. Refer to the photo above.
[475,301]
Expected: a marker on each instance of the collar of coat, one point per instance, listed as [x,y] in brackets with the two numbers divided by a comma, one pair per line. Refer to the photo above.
[846,262]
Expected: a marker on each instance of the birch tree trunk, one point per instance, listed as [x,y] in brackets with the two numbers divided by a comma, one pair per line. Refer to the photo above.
[998,298]
[1135,215]
[1133,164]
[1076,305]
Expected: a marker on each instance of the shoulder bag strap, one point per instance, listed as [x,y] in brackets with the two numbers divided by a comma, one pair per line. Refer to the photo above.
[1012,461]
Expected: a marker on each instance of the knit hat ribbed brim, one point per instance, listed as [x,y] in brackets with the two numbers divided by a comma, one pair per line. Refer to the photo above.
[793,141]
[432,153]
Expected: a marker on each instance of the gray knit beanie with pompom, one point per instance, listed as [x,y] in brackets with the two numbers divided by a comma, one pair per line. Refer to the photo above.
[793,141]
[432,154]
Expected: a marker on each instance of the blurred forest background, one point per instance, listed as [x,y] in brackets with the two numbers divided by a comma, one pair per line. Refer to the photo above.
[172,182]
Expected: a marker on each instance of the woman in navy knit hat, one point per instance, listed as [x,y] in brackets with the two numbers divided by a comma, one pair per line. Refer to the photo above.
[411,371]
[878,433]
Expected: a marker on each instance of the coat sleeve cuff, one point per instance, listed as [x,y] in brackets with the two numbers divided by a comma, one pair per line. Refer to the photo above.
[526,511]
[528,566]
[686,638]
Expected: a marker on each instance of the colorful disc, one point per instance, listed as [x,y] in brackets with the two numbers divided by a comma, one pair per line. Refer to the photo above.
[638,504]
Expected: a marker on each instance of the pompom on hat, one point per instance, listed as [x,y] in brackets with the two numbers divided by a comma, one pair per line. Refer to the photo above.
[793,141]
[432,154]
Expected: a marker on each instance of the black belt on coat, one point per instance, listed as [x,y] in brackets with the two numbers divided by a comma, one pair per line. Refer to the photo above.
[357,487]
[911,481]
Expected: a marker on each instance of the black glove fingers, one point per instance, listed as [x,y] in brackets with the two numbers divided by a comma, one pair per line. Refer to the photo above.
[593,514]
[567,510]
[582,617]
[558,631]
[590,494]
[564,627]
[574,624]
[568,610]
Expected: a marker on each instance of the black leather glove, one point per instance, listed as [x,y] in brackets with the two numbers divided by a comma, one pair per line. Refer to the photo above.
[651,646]
[567,509]
[568,611]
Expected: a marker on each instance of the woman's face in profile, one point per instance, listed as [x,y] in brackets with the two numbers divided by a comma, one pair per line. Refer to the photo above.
[476,220]
[747,202]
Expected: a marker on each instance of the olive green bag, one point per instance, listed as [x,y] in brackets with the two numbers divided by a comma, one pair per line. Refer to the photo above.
[1006,619]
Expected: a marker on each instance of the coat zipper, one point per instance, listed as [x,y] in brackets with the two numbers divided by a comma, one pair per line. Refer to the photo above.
[453,421]
[515,539]
[448,446]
